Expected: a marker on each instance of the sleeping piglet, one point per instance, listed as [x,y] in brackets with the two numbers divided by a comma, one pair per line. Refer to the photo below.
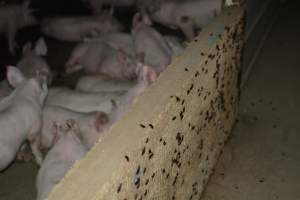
[91,124]
[66,151]
[76,28]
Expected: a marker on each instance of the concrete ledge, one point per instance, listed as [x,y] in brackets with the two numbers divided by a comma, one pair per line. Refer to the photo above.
[167,144]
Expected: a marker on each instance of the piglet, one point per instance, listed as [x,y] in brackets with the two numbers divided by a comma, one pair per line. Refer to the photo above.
[83,102]
[146,76]
[102,83]
[13,18]
[186,15]
[32,60]
[30,64]
[151,44]
[97,57]
[66,151]
[20,115]
[75,29]
[75,60]
[91,125]
[102,101]
[116,40]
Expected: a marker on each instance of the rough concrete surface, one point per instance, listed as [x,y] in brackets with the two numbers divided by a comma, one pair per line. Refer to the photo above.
[262,159]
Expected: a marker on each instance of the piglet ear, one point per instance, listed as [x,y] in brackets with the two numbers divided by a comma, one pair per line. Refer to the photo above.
[26,48]
[14,76]
[147,74]
[70,124]
[136,19]
[151,75]
[41,47]
[101,120]
[147,20]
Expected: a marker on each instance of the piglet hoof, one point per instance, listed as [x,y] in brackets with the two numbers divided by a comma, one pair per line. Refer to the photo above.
[39,160]
[23,156]
[71,124]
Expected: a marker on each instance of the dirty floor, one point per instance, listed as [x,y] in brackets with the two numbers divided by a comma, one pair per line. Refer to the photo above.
[262,159]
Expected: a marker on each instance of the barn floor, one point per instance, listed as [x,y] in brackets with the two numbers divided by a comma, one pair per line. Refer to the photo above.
[262,159]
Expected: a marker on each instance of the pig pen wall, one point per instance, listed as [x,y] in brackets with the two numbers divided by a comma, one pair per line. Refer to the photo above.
[166,145]
[261,16]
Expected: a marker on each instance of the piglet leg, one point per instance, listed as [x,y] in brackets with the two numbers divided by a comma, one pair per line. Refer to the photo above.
[187,27]
[24,155]
[34,139]
[35,144]
[55,130]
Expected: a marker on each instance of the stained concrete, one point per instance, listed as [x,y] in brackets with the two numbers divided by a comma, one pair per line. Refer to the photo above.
[262,159]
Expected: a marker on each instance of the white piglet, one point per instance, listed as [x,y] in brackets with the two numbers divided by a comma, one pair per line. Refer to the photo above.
[98,57]
[186,15]
[146,76]
[84,102]
[66,151]
[116,40]
[102,101]
[150,44]
[13,18]
[91,125]
[75,29]
[30,64]
[20,115]
[102,83]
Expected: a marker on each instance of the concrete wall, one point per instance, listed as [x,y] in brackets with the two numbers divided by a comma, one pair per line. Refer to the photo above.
[166,145]
[261,15]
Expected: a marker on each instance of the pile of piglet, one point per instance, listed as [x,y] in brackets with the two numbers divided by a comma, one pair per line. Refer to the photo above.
[61,124]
